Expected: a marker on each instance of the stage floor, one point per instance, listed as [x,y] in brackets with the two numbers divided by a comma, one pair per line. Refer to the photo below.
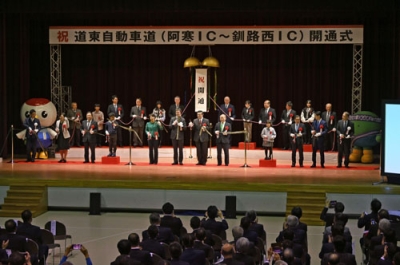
[357,179]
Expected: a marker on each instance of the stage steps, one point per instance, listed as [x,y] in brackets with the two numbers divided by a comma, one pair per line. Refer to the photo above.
[21,197]
[311,202]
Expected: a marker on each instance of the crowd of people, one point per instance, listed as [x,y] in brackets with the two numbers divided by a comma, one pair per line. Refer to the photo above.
[322,129]
[167,241]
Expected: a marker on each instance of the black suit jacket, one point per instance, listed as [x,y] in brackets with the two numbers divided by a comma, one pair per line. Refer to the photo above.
[247,260]
[224,139]
[327,217]
[29,124]
[329,248]
[204,137]
[248,114]
[264,115]
[287,118]
[153,246]
[225,110]
[16,242]
[119,112]
[139,119]
[299,139]
[341,129]
[175,128]
[345,258]
[193,256]
[172,111]
[232,261]
[174,223]
[178,262]
[87,137]
[141,255]
[73,115]
[302,226]
[259,229]
[215,227]
[251,236]
[331,123]
[131,261]
[300,236]
[208,240]
[165,235]
[204,247]
[30,231]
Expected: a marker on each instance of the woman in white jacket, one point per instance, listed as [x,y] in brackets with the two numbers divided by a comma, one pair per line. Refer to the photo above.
[63,136]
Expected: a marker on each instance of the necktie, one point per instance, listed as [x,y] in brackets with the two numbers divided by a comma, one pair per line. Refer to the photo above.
[327,116]
[88,124]
[222,126]
[297,127]
[200,122]
[115,107]
[287,113]
[345,125]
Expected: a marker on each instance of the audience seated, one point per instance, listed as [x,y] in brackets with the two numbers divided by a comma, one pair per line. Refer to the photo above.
[124,248]
[328,247]
[340,243]
[17,258]
[328,217]
[200,235]
[255,226]
[136,252]
[151,243]
[15,242]
[342,219]
[299,234]
[165,234]
[289,257]
[68,251]
[191,255]
[237,232]
[195,225]
[211,224]
[170,220]
[242,249]
[176,251]
[298,212]
[227,252]
[247,233]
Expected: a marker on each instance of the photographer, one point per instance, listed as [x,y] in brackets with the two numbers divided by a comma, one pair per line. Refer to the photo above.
[69,249]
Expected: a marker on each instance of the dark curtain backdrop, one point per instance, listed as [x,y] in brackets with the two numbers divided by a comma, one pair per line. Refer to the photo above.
[322,73]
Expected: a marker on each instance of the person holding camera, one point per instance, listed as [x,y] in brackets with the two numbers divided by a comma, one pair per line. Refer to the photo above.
[80,247]
[211,224]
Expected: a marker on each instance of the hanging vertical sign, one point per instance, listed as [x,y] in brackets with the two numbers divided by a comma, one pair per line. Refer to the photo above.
[201,89]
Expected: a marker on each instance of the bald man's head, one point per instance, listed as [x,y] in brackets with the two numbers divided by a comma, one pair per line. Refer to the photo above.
[227,251]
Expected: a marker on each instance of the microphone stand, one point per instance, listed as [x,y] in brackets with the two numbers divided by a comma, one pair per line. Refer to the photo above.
[130,148]
[209,154]
[12,145]
[245,148]
[190,146]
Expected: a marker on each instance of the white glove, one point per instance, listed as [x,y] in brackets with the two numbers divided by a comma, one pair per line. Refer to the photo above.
[145,118]
[348,136]
[244,119]
[91,132]
[341,136]
[259,122]
[118,118]
[190,124]
[300,134]
[57,130]
[290,122]
[134,116]
[175,122]
[35,124]
[217,132]
[180,124]
[159,123]
[349,128]
[292,135]
[334,129]
[264,136]
[230,117]
[107,133]
[149,135]
[225,133]
[83,132]
[283,121]
[36,130]
[318,134]
[313,132]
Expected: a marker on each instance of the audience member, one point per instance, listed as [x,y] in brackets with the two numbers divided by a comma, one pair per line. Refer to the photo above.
[346,258]
[200,236]
[136,252]
[211,224]
[165,234]
[195,225]
[247,233]
[15,242]
[237,232]
[151,243]
[298,212]
[227,252]
[255,226]
[339,218]
[191,255]
[124,248]
[18,258]
[328,217]
[170,220]
[289,257]
[176,251]
[242,248]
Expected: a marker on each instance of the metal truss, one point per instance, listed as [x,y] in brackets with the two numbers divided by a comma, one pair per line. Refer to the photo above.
[356,91]
[60,95]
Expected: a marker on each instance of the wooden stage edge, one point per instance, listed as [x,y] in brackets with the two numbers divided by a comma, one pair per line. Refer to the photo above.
[358,179]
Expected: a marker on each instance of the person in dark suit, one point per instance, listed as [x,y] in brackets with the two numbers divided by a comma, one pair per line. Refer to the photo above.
[112,134]
[267,113]
[345,258]
[247,116]
[299,234]
[151,243]
[227,251]
[201,137]
[75,116]
[32,126]
[139,115]
[83,250]
[199,238]
[228,110]
[191,255]
[170,220]
[15,242]
[328,247]
[195,223]
[330,118]
[211,224]
[89,130]
[298,212]
[287,118]
[242,248]
[328,217]
[136,253]
[124,248]
[345,130]
[255,226]
[223,139]
[319,130]
[307,117]
[176,251]
[296,133]
[33,232]
[251,235]
[177,125]
[177,105]
[164,235]
[118,110]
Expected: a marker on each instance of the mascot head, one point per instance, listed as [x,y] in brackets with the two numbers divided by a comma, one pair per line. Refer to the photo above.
[45,110]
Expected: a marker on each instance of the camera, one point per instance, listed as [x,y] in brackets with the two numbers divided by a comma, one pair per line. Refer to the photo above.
[276,248]
[332,204]
[76,246]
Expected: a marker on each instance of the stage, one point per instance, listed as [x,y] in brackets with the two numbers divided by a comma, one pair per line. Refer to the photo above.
[356,179]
